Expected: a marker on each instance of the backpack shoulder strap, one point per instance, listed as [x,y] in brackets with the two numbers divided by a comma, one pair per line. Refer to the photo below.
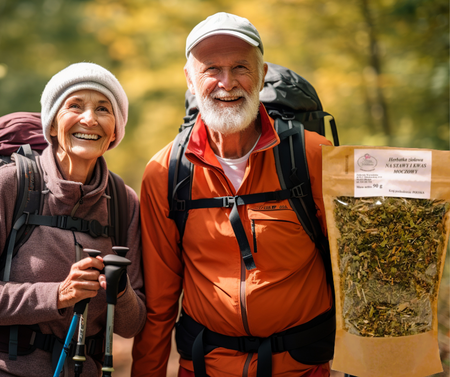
[293,174]
[118,208]
[28,201]
[180,181]
[28,179]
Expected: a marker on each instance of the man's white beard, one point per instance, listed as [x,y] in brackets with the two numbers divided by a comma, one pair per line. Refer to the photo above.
[230,119]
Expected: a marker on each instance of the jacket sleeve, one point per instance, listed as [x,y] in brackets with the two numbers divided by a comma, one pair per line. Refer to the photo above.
[131,303]
[163,271]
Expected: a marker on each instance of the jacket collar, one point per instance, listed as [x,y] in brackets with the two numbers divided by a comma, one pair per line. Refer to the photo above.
[200,152]
[69,192]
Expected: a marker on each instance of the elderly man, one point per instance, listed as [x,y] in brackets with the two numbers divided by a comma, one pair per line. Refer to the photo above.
[261,319]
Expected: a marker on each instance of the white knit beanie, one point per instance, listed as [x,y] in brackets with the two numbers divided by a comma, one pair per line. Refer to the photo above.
[81,76]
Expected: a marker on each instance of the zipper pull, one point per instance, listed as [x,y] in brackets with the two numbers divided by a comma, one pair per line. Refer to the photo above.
[255,249]
[77,204]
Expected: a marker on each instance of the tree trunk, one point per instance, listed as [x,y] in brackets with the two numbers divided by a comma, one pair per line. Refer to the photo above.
[379,103]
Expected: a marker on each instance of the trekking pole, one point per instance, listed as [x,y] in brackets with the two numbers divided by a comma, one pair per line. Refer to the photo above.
[121,250]
[78,310]
[115,267]
[80,356]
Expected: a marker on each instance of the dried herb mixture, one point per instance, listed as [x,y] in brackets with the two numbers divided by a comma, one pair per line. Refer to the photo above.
[389,257]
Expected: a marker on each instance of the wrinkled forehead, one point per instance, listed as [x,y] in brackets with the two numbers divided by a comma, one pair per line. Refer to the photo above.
[88,94]
[223,48]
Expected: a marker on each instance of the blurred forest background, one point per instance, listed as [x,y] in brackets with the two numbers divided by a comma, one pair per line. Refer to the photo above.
[381,67]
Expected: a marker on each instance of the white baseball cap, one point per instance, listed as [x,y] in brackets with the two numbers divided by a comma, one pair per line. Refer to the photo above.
[224,23]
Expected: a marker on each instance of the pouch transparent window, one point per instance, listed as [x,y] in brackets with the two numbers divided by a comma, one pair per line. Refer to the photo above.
[389,253]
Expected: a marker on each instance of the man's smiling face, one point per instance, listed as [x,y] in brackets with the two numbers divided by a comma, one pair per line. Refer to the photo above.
[226,75]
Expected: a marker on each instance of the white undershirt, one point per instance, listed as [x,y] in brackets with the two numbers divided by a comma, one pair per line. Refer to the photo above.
[234,168]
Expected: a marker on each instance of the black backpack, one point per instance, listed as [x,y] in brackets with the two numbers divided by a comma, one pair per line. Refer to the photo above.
[21,140]
[294,105]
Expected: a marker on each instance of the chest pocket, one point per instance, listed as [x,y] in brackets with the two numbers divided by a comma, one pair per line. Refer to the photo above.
[279,240]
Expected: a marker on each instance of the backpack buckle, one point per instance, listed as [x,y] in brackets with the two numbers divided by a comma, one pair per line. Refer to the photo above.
[180,205]
[277,343]
[65,222]
[248,344]
[27,216]
[48,342]
[280,113]
[228,201]
[297,191]
[95,229]
[68,223]
[287,116]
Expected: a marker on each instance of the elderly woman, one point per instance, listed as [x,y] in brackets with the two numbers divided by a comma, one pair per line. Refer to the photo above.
[84,113]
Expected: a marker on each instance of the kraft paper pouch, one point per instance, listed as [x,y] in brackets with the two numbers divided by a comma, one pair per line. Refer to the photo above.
[388,221]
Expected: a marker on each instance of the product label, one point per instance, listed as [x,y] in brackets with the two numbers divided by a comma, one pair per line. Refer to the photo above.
[390,172]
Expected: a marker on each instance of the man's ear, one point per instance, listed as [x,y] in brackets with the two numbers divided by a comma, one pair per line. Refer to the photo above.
[189,82]
[265,67]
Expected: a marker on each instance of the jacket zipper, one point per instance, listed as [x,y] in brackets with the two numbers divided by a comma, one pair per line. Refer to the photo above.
[243,299]
[247,364]
[243,302]
[77,204]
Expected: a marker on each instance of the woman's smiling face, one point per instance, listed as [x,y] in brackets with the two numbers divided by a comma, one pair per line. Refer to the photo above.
[84,127]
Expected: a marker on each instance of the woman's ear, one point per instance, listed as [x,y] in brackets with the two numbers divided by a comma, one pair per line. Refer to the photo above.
[54,129]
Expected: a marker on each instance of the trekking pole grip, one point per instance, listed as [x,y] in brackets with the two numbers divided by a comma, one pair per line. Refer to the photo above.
[121,250]
[115,267]
[80,355]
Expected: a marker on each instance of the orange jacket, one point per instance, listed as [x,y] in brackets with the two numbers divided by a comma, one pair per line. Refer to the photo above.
[287,288]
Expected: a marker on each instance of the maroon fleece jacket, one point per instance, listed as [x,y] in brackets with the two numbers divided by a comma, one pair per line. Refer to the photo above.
[45,260]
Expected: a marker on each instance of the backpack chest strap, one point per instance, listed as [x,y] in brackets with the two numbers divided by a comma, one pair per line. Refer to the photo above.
[235,220]
[92,227]
[231,201]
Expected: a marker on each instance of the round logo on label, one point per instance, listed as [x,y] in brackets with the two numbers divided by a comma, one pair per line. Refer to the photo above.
[367,162]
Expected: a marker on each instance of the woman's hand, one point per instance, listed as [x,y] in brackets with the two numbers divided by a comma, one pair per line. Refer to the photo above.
[81,283]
